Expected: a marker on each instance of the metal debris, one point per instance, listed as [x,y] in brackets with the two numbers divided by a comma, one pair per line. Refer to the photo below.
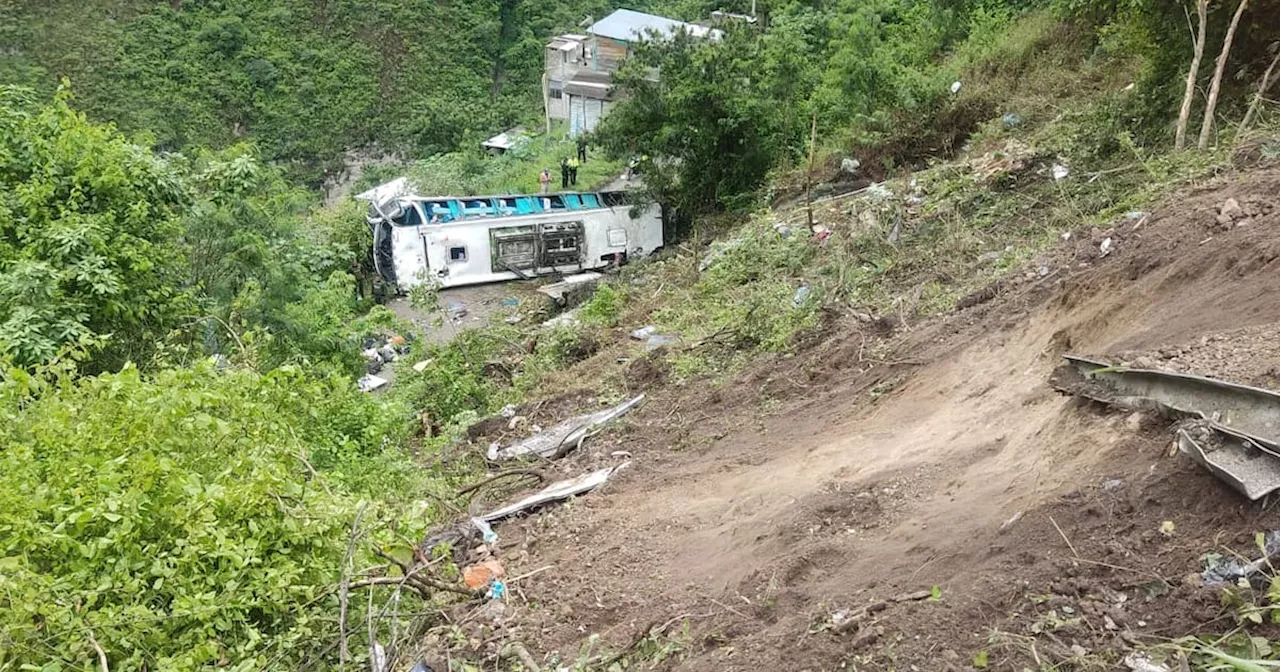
[1231,429]
[1221,570]
[370,383]
[581,283]
[556,492]
[563,437]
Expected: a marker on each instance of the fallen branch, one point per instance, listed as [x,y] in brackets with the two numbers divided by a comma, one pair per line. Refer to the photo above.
[1259,96]
[102,655]
[521,654]
[344,654]
[530,574]
[855,619]
[466,489]
[420,584]
[1064,537]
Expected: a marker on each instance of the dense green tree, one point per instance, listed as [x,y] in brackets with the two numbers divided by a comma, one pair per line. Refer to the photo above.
[88,225]
[707,126]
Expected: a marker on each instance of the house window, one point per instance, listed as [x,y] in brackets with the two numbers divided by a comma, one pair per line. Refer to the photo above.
[555,90]
[457,254]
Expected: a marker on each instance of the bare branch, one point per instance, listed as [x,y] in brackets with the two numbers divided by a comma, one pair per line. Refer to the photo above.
[1206,127]
[344,653]
[1184,114]
[1259,96]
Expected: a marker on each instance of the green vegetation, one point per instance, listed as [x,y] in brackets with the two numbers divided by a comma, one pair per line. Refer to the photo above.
[307,81]
[470,171]
[190,518]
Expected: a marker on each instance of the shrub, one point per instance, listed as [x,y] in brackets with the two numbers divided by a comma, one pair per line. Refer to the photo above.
[185,520]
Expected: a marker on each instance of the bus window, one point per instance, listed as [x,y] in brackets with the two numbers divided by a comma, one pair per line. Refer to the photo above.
[438,212]
[525,205]
[590,201]
[553,203]
[507,206]
[572,202]
[412,216]
[478,207]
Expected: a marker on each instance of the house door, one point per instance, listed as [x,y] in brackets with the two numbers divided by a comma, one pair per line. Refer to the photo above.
[591,113]
[576,116]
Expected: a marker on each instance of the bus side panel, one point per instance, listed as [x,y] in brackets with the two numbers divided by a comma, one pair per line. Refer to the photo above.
[408,255]
[644,233]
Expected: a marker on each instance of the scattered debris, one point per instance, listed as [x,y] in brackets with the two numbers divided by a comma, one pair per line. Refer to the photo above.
[1222,570]
[571,288]
[566,319]
[480,574]
[422,366]
[1231,429]
[1060,172]
[1009,523]
[801,295]
[661,341]
[486,532]
[556,492]
[369,383]
[843,621]
[1011,120]
[621,454]
[716,250]
[456,310]
[1141,662]
[643,332]
[1105,248]
[565,436]
[850,165]
[1012,157]
[955,86]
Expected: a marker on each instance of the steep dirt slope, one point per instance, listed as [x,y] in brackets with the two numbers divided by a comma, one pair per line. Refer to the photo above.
[953,465]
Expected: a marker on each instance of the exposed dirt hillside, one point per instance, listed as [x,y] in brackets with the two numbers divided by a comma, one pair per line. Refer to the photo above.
[766,510]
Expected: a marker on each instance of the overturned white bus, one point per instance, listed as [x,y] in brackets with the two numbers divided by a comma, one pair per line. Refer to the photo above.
[463,240]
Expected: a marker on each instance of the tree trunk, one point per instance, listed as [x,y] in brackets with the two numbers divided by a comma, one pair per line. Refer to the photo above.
[808,176]
[1258,97]
[1206,128]
[1180,135]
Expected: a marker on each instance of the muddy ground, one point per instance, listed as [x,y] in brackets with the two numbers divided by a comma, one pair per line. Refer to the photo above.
[939,492]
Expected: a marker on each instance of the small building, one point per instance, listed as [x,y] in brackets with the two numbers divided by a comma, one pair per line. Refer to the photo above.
[509,139]
[613,36]
[589,95]
[565,56]
[579,68]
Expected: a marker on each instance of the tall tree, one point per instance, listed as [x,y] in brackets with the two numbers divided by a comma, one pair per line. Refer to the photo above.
[1180,133]
[1215,86]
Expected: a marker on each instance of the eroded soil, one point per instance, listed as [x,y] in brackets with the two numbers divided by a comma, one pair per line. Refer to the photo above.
[1046,530]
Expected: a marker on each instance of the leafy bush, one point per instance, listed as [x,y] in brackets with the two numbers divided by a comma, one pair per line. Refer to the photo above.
[187,519]
[604,306]
[87,226]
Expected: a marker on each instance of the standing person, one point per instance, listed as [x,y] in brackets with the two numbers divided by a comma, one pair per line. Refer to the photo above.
[564,173]
[544,180]
[582,148]
[573,171]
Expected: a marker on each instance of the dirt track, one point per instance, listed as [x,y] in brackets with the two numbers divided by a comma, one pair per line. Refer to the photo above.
[832,481]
